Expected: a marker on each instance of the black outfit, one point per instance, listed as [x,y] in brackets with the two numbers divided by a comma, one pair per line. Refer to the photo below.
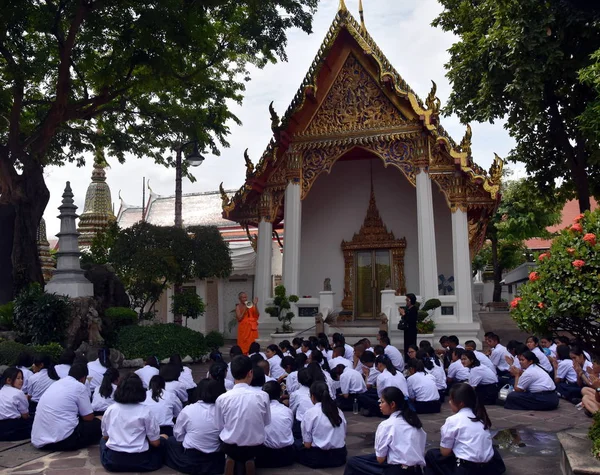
[437,464]
[240,453]
[487,394]
[370,402]
[193,461]
[148,461]
[368,465]
[85,433]
[15,429]
[410,334]
[274,458]
[318,458]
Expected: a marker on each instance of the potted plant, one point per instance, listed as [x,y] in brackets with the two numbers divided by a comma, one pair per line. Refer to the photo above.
[425,324]
[281,308]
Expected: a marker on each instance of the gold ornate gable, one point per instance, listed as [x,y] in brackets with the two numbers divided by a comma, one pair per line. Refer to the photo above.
[373,234]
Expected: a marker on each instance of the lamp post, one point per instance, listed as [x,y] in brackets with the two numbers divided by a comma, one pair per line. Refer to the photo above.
[194,159]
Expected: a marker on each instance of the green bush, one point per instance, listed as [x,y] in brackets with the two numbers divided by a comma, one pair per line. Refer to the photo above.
[6,316]
[594,435]
[214,339]
[39,317]
[9,351]
[52,349]
[161,340]
[121,316]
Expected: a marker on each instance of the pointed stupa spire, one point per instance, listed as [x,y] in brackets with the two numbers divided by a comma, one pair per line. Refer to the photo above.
[46,260]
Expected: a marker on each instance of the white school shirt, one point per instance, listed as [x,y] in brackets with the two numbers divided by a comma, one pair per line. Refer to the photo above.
[27,373]
[457,371]
[291,382]
[481,375]
[197,428]
[587,355]
[58,411]
[62,370]
[38,384]
[468,439]
[497,357]
[484,360]
[178,389]
[307,353]
[565,371]
[229,385]
[586,364]
[186,378]
[394,354]
[387,379]
[544,361]
[275,367]
[422,387]
[338,360]
[552,349]
[317,429]
[373,375]
[399,442]
[331,384]
[300,402]
[146,374]
[229,376]
[265,356]
[13,403]
[242,415]
[278,434]
[348,352]
[328,354]
[165,409]
[99,402]
[534,379]
[96,372]
[352,382]
[129,427]
[440,376]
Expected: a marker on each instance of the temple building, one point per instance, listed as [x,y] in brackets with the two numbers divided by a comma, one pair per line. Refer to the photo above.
[46,260]
[374,194]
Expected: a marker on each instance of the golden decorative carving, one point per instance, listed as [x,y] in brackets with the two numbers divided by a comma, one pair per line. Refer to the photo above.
[294,166]
[454,189]
[249,165]
[275,122]
[493,184]
[434,104]
[252,238]
[465,144]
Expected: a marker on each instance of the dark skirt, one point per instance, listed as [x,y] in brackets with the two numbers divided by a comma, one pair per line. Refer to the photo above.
[86,433]
[347,403]
[193,461]
[369,401]
[442,393]
[568,391]
[487,393]
[526,401]
[267,457]
[437,464]
[15,429]
[167,430]
[318,458]
[147,461]
[427,407]
[368,465]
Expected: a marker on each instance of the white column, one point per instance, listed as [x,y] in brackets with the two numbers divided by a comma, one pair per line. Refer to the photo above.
[462,266]
[428,276]
[291,244]
[262,278]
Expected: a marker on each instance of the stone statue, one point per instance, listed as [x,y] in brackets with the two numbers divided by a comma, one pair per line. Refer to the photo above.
[327,285]
[94,327]
[388,284]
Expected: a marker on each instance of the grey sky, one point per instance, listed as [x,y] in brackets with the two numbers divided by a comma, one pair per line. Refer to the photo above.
[403,31]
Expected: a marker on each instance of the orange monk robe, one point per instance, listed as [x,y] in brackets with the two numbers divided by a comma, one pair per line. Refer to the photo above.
[248,329]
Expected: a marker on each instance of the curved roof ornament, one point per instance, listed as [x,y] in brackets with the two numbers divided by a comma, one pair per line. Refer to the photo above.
[342,7]
[362,16]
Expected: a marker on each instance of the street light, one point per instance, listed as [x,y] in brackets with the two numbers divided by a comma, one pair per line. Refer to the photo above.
[194,159]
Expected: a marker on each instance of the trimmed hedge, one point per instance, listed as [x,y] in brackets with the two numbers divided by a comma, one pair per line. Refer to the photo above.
[6,316]
[121,316]
[160,340]
[214,340]
[10,350]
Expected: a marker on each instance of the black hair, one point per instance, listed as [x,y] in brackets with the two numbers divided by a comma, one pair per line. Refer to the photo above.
[153,361]
[308,344]
[157,386]
[412,298]
[297,342]
[417,365]
[453,339]
[317,357]
[513,345]
[392,394]
[520,349]
[254,347]
[258,377]
[530,356]
[471,343]
[492,336]
[255,358]
[339,350]
[472,358]
[67,357]
[337,371]
[338,339]
[287,346]
[413,347]
[431,353]
[46,360]
[315,372]
[378,350]
[367,357]
[215,355]
[275,349]
[273,389]
[288,362]
[240,367]
[382,333]
[424,344]
[300,360]
[176,360]
[218,371]
[24,360]
[424,357]
[170,372]
[130,390]
[104,357]
[210,390]
[324,343]
[320,392]
[387,362]
[235,351]
[578,351]
[322,335]
[11,373]
[564,339]
[384,340]
[563,352]
[457,351]
[304,377]
[443,339]
[78,370]
[547,338]
[463,393]
[536,340]
[111,375]
[313,339]
[265,366]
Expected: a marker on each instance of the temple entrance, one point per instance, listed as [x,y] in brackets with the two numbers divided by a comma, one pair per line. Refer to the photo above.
[373,271]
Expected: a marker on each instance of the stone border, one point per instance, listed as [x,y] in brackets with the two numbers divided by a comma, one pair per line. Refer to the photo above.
[576,454]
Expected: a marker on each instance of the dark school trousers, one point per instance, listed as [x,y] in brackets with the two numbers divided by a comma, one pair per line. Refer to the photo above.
[437,464]
[347,403]
[370,401]
[147,461]
[193,461]
[318,458]
[15,429]
[240,453]
[427,407]
[85,433]
[167,430]
[368,465]
[568,390]
[487,393]
[267,457]
[526,401]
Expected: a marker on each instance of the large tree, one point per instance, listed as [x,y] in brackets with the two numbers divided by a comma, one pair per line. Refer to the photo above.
[520,60]
[150,74]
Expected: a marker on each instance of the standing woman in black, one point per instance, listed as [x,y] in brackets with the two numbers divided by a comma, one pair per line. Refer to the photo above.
[409,316]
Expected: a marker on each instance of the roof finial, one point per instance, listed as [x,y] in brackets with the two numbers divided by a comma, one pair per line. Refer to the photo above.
[362,16]
[342,7]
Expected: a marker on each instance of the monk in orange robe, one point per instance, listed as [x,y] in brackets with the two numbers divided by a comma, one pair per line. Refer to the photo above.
[247,322]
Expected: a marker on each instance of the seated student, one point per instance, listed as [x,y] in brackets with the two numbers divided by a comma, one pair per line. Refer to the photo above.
[457,373]
[389,376]
[185,374]
[218,372]
[15,423]
[296,344]
[514,348]
[434,368]
[470,345]
[444,351]
[195,447]
[98,367]
[565,376]
[453,342]
[164,405]
[581,365]
[170,373]
[466,443]
[64,418]
[289,366]
[323,345]
[369,371]
[266,368]
[233,352]
[64,363]
[24,363]
[352,385]
[392,353]
[399,440]
[306,347]
[411,352]
[42,378]
[422,389]
[255,350]
[300,400]
[498,355]
[316,356]
[274,357]
[242,415]
[131,440]
[323,431]
[258,380]
[482,378]
[378,350]
[359,349]
[103,395]
[338,358]
[151,368]
[339,340]
[548,345]
[286,349]
[534,389]
[278,449]
[533,344]
[291,381]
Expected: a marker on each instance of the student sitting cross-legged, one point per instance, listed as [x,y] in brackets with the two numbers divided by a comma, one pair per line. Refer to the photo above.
[44,375]
[195,446]
[15,423]
[352,385]
[103,394]
[278,449]
[399,440]
[534,389]
[64,418]
[151,368]
[422,388]
[131,439]
[482,378]
[323,431]
[466,443]
[242,415]
[164,405]
[388,376]
[565,376]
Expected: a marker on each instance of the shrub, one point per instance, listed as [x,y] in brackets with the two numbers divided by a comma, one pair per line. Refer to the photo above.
[7,316]
[281,308]
[594,435]
[214,340]
[161,340]
[9,351]
[39,317]
[121,316]
[52,349]
[188,304]
[425,323]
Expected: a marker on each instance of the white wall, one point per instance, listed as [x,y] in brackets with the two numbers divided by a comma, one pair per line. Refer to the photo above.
[442,218]
[334,210]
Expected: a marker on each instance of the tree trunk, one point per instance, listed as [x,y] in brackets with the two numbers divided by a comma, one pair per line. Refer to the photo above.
[7,224]
[582,185]
[497,296]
